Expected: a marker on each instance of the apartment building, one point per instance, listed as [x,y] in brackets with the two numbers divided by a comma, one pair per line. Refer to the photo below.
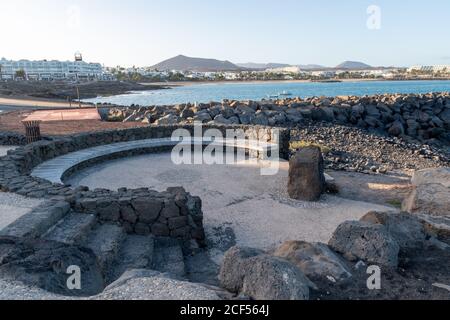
[52,70]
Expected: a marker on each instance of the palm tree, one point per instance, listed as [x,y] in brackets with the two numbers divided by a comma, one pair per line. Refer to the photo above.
[21,74]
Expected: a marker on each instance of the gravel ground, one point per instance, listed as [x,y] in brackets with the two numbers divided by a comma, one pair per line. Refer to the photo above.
[10,290]
[13,206]
[239,204]
[354,149]
[5,149]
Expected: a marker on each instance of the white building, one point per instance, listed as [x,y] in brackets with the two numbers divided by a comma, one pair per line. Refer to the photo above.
[323,74]
[52,70]
[434,69]
[291,69]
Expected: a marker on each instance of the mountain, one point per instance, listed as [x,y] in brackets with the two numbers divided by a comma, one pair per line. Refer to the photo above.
[311,66]
[183,63]
[353,65]
[262,66]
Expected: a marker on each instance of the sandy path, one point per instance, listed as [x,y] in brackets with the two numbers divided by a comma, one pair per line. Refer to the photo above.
[255,207]
[19,102]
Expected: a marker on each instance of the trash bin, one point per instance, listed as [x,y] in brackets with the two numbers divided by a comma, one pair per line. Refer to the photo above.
[32,131]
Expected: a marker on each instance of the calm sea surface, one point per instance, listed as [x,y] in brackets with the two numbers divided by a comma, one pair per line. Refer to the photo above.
[258,91]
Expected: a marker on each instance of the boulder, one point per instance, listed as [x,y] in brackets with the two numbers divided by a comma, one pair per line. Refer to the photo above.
[316,260]
[233,266]
[203,117]
[262,277]
[431,176]
[306,175]
[432,199]
[220,119]
[187,113]
[406,229]
[396,129]
[44,264]
[365,241]
[168,119]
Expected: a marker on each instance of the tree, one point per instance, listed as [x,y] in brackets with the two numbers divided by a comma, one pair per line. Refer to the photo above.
[21,74]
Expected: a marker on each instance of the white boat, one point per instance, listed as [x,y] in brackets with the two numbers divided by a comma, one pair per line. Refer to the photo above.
[285,93]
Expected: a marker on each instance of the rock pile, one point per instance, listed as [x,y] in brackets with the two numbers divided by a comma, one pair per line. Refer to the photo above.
[423,117]
[12,139]
[357,150]
[297,269]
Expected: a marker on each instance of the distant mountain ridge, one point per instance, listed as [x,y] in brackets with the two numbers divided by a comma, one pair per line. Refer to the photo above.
[184,63]
[262,66]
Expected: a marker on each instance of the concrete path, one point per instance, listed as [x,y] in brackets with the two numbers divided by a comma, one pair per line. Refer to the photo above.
[13,206]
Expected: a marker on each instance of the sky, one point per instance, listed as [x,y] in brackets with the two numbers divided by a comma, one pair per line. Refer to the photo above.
[145,32]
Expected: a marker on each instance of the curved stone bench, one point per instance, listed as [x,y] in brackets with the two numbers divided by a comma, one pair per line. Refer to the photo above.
[36,171]
[57,169]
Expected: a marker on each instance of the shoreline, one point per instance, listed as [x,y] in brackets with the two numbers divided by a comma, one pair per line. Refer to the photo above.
[192,83]
[24,102]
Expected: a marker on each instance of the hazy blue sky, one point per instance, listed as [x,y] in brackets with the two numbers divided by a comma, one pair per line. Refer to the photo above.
[144,32]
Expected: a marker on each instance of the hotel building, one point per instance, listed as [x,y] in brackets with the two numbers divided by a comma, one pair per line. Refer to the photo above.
[53,70]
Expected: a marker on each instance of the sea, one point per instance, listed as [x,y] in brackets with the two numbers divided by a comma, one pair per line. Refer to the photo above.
[203,93]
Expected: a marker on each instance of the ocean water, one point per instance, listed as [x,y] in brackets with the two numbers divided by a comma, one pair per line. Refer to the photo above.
[257,91]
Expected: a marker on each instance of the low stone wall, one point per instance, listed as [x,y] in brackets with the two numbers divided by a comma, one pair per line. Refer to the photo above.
[174,213]
[12,139]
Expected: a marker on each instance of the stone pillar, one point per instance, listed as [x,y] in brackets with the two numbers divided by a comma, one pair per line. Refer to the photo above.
[306,175]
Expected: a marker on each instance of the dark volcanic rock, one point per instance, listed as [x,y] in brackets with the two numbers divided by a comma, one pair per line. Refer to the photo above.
[366,241]
[262,277]
[406,229]
[44,264]
[316,260]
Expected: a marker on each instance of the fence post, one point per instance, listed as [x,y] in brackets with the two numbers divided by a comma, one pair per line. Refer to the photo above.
[32,131]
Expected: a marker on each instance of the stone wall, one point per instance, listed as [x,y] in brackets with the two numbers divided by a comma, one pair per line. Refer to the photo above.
[173,213]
